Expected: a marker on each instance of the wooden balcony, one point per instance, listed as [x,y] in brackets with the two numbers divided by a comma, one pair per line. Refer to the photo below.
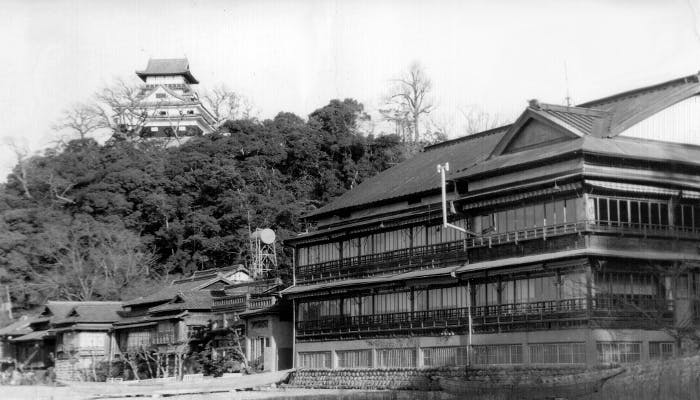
[257,303]
[486,247]
[235,301]
[538,315]
[161,338]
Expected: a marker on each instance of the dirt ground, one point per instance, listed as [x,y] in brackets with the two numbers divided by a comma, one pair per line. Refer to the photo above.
[66,393]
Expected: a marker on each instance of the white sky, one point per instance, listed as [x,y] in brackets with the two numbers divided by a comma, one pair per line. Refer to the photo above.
[297,55]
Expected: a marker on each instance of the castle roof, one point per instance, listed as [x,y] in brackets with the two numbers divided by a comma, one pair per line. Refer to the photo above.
[168,67]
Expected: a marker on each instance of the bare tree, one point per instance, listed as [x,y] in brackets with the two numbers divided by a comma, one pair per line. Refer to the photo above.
[477,120]
[81,119]
[21,170]
[119,108]
[225,104]
[409,100]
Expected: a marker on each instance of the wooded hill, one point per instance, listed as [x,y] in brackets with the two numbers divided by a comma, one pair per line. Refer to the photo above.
[91,221]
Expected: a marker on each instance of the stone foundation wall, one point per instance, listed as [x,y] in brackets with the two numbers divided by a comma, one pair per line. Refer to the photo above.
[418,379]
[66,370]
[393,379]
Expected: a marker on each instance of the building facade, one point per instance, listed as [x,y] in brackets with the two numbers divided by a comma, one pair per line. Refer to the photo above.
[253,320]
[581,245]
[167,105]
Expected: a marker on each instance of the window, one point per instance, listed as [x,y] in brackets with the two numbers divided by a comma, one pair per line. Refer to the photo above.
[396,358]
[557,353]
[619,352]
[498,354]
[660,350]
[622,212]
[160,95]
[162,113]
[354,359]
[315,360]
[455,356]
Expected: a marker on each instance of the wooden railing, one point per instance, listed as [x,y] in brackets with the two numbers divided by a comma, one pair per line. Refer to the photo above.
[436,255]
[163,338]
[261,302]
[236,300]
[516,313]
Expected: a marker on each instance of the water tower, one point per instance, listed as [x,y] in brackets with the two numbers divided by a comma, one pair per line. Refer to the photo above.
[262,243]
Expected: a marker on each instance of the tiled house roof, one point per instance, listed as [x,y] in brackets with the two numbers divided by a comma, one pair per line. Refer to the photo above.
[168,67]
[596,123]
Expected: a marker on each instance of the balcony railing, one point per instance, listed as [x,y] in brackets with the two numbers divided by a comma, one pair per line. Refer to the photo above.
[261,302]
[436,255]
[233,301]
[494,317]
[163,338]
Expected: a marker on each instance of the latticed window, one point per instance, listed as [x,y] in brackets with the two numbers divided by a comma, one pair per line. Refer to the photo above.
[557,353]
[354,359]
[396,358]
[453,356]
[660,350]
[498,354]
[315,360]
[619,352]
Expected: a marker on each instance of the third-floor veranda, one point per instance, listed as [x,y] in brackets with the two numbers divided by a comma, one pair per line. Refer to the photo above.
[538,228]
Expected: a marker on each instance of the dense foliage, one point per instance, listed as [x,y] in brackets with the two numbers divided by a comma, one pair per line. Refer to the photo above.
[93,221]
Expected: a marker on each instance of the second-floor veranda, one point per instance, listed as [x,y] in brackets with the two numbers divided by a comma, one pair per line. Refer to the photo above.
[490,246]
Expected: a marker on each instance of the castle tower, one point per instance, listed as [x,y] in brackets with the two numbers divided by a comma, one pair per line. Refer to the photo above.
[169,105]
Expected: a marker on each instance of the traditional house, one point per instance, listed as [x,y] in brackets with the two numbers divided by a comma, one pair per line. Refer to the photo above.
[83,338]
[37,349]
[167,105]
[251,320]
[20,327]
[580,244]
[168,321]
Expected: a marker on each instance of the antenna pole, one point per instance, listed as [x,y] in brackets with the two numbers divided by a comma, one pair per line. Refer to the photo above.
[442,168]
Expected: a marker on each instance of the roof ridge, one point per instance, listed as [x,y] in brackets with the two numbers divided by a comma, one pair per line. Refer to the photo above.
[467,137]
[608,99]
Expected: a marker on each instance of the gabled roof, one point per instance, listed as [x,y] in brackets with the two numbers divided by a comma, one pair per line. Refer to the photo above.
[92,312]
[182,285]
[168,67]
[628,108]
[191,300]
[19,327]
[587,124]
[417,174]
[619,147]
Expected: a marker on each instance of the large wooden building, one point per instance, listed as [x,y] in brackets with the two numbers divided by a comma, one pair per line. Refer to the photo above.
[583,248]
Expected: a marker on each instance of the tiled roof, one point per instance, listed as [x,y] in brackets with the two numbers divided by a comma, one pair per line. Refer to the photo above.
[167,66]
[36,335]
[339,284]
[96,312]
[183,285]
[618,146]
[19,327]
[192,300]
[630,107]
[603,118]
[417,174]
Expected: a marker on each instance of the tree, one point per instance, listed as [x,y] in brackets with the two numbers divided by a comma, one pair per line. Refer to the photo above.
[118,108]
[81,119]
[477,120]
[408,101]
[226,104]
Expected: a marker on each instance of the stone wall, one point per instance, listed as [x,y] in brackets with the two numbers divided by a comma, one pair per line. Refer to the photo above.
[392,378]
[67,370]
[418,379]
